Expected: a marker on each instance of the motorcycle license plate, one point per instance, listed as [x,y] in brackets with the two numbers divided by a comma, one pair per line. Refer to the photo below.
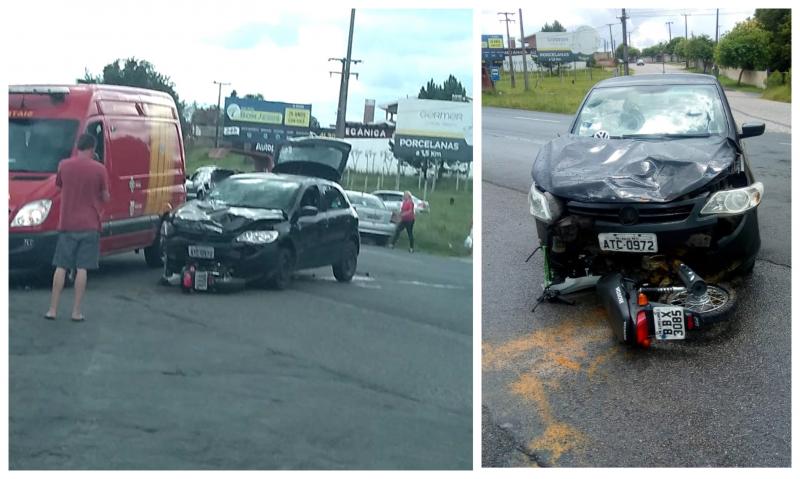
[669,322]
[628,242]
[203,252]
[201,280]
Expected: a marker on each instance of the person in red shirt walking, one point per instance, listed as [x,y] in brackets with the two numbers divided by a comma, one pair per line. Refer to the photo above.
[406,221]
[83,183]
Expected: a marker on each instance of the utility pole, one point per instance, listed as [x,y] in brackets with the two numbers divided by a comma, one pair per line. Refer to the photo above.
[508,40]
[686,33]
[524,51]
[219,99]
[611,36]
[624,19]
[716,42]
[669,25]
[341,113]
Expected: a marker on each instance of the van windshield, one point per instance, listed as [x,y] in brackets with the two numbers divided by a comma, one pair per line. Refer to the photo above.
[39,144]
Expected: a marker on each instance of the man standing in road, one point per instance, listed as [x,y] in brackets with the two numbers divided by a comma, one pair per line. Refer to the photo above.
[83,183]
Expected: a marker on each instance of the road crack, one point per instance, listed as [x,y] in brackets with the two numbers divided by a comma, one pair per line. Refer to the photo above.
[774,263]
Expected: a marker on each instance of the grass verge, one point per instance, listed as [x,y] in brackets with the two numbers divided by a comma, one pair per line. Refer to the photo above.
[442,230]
[552,93]
[781,93]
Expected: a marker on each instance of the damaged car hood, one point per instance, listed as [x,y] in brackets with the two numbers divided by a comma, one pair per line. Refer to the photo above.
[216,217]
[590,169]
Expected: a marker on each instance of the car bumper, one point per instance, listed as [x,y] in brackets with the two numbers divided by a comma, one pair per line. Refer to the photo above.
[379,229]
[711,244]
[233,263]
[31,252]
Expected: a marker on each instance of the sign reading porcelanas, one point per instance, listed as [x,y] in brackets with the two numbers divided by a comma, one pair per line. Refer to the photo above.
[434,129]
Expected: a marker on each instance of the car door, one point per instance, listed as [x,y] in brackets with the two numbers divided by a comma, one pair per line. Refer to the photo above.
[310,230]
[339,223]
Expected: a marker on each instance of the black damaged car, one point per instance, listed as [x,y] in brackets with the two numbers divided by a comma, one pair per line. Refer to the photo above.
[261,227]
[652,184]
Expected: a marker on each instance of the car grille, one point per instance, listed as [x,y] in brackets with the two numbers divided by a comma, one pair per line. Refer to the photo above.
[645,213]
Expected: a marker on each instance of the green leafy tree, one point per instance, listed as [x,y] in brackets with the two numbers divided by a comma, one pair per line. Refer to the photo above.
[254,96]
[633,52]
[555,27]
[778,22]
[445,91]
[700,48]
[746,47]
[141,74]
[672,45]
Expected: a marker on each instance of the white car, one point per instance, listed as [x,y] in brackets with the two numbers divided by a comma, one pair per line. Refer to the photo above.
[640,62]
[393,200]
[374,218]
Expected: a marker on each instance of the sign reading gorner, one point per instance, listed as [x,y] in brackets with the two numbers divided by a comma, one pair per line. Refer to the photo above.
[434,129]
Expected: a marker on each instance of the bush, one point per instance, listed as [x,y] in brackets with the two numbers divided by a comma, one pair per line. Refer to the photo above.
[775,79]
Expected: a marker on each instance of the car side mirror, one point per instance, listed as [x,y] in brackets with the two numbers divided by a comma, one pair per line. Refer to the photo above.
[752,129]
[309,210]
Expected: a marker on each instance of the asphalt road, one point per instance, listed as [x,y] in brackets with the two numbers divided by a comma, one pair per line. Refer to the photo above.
[372,374]
[559,391]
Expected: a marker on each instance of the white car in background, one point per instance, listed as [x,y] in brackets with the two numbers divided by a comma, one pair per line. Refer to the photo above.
[393,199]
[374,217]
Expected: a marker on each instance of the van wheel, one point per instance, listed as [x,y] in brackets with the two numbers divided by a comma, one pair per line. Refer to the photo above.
[345,269]
[153,253]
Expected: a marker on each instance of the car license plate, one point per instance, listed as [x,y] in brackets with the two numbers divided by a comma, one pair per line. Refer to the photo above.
[629,242]
[201,280]
[204,252]
[669,322]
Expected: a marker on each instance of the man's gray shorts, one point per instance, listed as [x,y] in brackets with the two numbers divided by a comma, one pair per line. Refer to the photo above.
[77,250]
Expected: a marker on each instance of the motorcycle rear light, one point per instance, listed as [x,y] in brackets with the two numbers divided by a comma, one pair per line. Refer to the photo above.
[643,301]
[642,333]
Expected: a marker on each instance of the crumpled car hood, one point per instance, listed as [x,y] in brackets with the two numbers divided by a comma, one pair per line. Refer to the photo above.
[218,218]
[630,170]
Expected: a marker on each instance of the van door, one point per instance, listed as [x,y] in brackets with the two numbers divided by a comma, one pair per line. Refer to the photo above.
[127,160]
[96,128]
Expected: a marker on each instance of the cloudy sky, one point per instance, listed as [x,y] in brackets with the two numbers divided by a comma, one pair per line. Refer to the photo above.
[647,25]
[281,53]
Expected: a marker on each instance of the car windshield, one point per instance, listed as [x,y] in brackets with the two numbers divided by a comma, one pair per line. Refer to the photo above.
[367,201]
[652,110]
[267,193]
[39,144]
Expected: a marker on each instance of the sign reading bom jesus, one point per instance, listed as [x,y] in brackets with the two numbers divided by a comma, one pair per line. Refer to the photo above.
[434,129]
[255,125]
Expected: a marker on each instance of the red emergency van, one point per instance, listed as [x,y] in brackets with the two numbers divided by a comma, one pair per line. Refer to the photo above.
[138,140]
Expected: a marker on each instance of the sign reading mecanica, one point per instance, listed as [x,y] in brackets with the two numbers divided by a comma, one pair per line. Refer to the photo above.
[255,125]
[434,129]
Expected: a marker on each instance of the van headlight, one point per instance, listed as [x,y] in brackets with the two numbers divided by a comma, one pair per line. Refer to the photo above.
[257,237]
[32,214]
[734,202]
[543,206]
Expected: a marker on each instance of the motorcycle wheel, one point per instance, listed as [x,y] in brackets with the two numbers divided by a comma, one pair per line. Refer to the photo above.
[719,301]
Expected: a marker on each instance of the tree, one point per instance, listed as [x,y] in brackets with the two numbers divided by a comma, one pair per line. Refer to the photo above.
[234,94]
[138,73]
[680,47]
[256,96]
[700,48]
[555,27]
[746,47]
[670,46]
[777,21]
[633,52]
[450,87]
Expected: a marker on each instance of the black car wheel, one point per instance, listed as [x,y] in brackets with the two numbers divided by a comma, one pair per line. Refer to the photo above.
[345,269]
[153,254]
[283,274]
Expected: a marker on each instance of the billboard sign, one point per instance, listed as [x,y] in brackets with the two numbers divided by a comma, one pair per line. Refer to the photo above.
[434,129]
[492,48]
[256,125]
[567,46]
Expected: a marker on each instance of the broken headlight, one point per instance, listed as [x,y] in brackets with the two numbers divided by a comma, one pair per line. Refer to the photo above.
[32,214]
[734,202]
[543,206]
[257,237]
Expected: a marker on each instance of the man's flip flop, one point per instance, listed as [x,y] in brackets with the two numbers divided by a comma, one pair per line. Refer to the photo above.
[77,320]
[51,318]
